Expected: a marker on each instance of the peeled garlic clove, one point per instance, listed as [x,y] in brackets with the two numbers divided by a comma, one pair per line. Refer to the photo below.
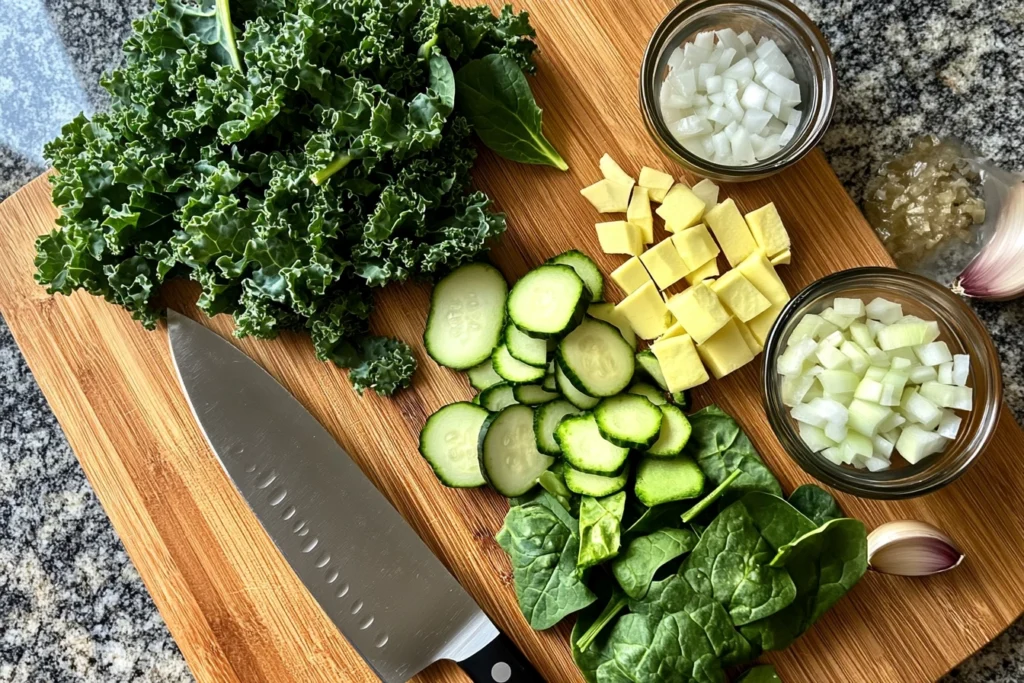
[910,548]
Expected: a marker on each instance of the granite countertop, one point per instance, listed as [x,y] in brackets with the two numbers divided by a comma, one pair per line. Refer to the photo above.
[72,606]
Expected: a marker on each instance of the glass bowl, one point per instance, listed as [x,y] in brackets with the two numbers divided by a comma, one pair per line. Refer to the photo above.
[962,332]
[795,34]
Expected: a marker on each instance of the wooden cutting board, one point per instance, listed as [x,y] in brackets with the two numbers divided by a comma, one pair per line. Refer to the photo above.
[231,602]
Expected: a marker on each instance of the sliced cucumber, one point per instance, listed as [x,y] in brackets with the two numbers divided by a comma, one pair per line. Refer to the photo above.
[533,394]
[525,348]
[550,382]
[628,420]
[545,421]
[675,432]
[596,359]
[498,397]
[572,394]
[548,301]
[586,269]
[663,480]
[585,449]
[681,398]
[512,370]
[609,314]
[595,485]
[508,453]
[448,441]
[475,400]
[467,316]
[648,391]
[483,376]
[649,363]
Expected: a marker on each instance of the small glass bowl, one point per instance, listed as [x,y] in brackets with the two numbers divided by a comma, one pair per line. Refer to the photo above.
[962,332]
[795,34]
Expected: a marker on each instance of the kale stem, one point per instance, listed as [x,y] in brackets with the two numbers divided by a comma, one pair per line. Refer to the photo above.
[224,19]
[321,176]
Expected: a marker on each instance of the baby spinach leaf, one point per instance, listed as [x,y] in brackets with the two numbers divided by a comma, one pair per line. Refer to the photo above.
[719,446]
[493,94]
[543,550]
[816,503]
[643,646]
[591,623]
[635,568]
[704,503]
[760,674]
[666,515]
[600,520]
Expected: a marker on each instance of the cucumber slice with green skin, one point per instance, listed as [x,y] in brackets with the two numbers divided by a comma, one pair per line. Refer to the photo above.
[596,359]
[607,313]
[514,371]
[548,301]
[467,316]
[663,480]
[533,394]
[572,394]
[585,449]
[550,382]
[586,269]
[628,420]
[675,432]
[448,441]
[648,391]
[525,348]
[476,400]
[681,398]
[508,453]
[483,376]
[545,421]
[649,363]
[498,397]
[595,485]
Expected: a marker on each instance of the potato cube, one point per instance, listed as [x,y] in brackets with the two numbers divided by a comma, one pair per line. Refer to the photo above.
[658,183]
[681,209]
[620,237]
[612,171]
[763,276]
[739,296]
[631,275]
[761,325]
[608,196]
[706,272]
[699,309]
[753,344]
[639,213]
[696,246]
[664,264]
[766,226]
[708,193]
[680,363]
[782,259]
[646,311]
[677,330]
[725,351]
[731,231]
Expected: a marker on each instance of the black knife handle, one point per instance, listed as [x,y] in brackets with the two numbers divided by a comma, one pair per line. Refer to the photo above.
[500,662]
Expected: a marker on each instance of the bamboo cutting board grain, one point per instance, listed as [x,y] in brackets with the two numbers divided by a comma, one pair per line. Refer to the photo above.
[232,603]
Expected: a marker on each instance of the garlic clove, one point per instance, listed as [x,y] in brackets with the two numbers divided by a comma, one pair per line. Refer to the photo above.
[911,548]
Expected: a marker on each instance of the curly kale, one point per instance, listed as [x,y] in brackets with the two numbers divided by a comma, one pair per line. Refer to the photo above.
[287,155]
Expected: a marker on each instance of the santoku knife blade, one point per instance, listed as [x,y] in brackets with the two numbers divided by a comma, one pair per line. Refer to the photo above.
[373,576]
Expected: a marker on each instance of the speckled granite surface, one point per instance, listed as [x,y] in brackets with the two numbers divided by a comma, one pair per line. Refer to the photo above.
[72,607]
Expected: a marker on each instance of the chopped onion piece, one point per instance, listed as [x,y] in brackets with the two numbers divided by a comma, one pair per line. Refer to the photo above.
[848,307]
[961,369]
[949,425]
[754,120]
[945,373]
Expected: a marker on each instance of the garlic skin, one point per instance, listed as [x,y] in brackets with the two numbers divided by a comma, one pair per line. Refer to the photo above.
[911,548]
[995,274]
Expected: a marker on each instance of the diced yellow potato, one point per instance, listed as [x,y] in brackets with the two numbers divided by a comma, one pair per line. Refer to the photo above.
[639,213]
[680,363]
[753,344]
[612,171]
[699,309]
[646,311]
[681,209]
[664,264]
[731,231]
[763,276]
[630,275]
[619,237]
[739,296]
[708,193]
[726,351]
[658,183]
[782,259]
[608,196]
[706,272]
[766,226]
[696,246]
[677,330]
[762,324]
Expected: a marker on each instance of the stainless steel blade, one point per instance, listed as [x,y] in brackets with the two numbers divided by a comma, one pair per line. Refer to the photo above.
[377,581]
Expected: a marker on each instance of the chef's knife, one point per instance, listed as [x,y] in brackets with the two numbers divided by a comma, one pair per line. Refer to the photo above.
[375,579]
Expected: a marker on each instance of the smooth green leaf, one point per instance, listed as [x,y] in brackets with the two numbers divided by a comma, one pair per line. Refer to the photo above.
[764,673]
[719,446]
[636,567]
[600,520]
[816,503]
[704,503]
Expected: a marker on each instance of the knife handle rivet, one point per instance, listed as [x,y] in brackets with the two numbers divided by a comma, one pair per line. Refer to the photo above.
[382,640]
[501,672]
